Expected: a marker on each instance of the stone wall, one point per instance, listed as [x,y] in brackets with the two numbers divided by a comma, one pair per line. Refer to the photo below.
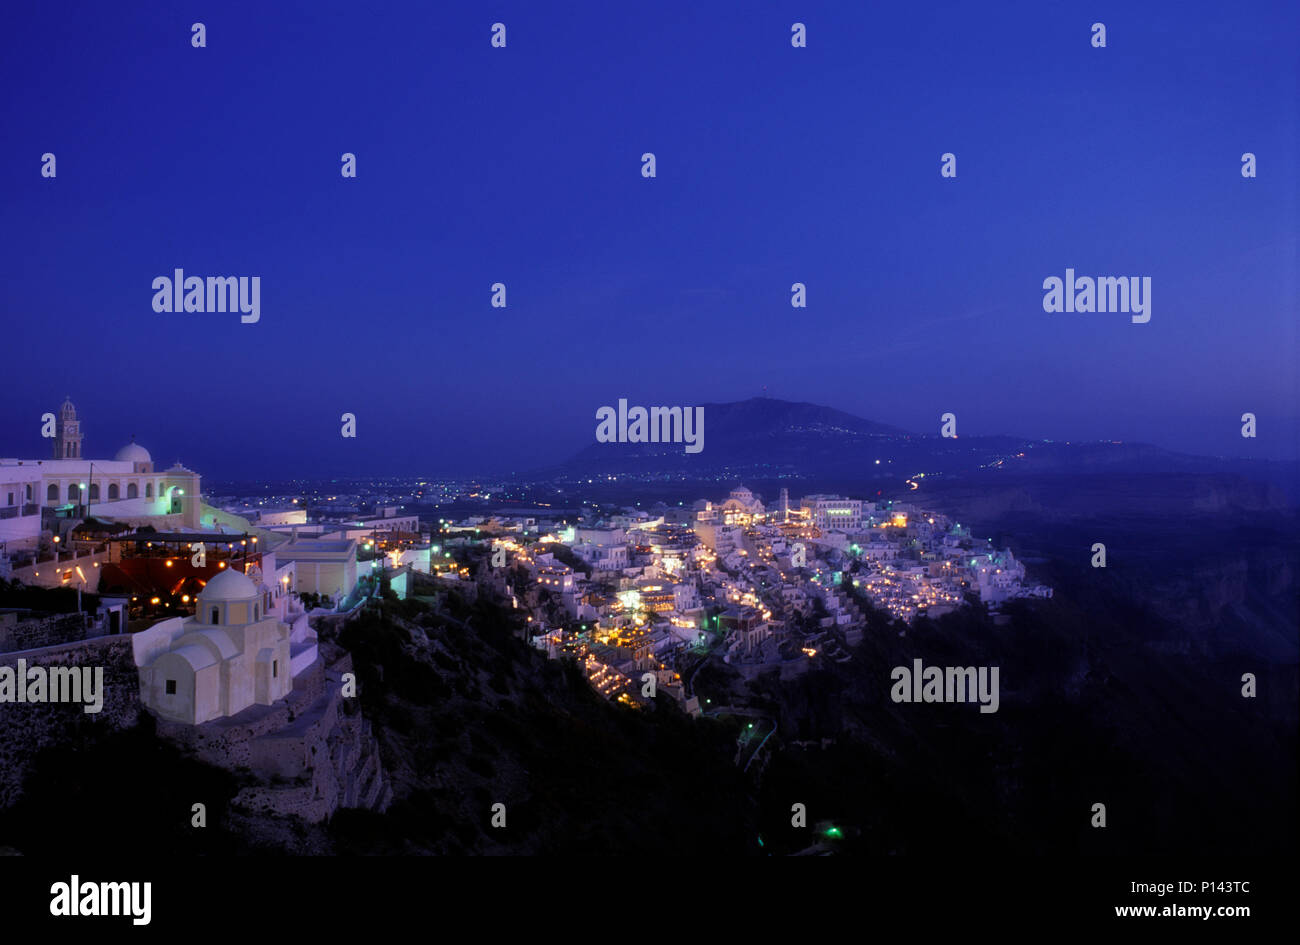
[44,631]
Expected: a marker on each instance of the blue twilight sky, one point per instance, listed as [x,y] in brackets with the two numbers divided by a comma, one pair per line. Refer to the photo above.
[522,165]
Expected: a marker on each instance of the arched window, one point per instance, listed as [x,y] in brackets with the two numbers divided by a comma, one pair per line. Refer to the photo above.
[132,491]
[255,614]
[52,493]
[94,492]
[29,492]
[74,493]
[113,492]
[216,615]
[148,490]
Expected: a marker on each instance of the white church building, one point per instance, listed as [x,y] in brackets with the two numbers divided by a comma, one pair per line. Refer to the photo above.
[125,487]
[230,655]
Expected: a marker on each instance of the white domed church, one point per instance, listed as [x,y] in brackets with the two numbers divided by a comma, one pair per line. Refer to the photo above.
[127,487]
[742,502]
[135,454]
[230,655]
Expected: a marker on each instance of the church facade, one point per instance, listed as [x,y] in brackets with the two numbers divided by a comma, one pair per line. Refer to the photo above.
[230,655]
[741,506]
[124,487]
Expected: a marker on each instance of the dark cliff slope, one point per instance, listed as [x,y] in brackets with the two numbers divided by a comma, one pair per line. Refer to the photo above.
[469,716]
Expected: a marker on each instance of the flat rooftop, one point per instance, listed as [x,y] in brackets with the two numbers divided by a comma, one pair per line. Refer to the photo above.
[287,550]
[220,537]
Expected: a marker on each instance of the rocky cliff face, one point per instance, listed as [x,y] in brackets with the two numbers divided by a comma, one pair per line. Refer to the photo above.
[306,757]
[468,716]
[267,777]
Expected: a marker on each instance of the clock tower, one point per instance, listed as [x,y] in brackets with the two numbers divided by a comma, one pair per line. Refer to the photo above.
[67,439]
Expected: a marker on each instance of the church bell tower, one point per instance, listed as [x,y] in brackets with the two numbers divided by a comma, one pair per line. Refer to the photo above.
[67,439]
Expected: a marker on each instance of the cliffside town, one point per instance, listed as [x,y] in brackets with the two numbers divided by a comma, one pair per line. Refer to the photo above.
[637,592]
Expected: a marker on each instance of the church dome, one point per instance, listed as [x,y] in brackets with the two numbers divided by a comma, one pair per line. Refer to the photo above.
[133,452]
[228,585]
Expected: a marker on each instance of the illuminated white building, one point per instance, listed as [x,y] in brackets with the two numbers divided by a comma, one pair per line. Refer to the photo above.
[230,655]
[605,549]
[741,505]
[322,566]
[833,512]
[125,487]
[556,577]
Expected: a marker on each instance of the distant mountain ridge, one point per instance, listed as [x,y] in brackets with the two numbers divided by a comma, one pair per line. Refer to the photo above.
[758,414]
[768,438]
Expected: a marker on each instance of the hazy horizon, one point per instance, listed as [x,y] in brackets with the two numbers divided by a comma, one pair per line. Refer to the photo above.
[164,458]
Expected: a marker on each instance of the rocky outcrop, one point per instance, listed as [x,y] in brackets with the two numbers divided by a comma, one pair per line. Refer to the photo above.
[306,757]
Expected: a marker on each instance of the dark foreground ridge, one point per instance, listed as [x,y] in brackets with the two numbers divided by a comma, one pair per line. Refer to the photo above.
[1094,708]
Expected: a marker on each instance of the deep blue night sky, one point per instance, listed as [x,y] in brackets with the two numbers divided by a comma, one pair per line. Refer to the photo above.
[522,165]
